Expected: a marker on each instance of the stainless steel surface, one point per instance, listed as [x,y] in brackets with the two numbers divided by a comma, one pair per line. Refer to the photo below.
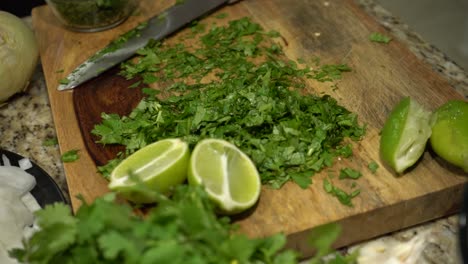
[156,28]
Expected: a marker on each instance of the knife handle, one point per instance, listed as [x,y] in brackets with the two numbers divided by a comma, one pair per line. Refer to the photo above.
[232,1]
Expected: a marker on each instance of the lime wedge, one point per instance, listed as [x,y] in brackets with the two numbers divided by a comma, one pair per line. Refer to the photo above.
[449,137]
[228,175]
[159,166]
[405,134]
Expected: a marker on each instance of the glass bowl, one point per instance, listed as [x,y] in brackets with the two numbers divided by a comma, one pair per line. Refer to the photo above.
[91,15]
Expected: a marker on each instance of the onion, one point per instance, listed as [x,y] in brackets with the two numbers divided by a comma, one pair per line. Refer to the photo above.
[25,164]
[15,217]
[17,206]
[17,179]
[19,55]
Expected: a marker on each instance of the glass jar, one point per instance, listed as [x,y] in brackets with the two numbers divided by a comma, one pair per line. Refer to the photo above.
[92,15]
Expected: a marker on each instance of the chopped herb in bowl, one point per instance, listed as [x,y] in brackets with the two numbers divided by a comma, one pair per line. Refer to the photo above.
[91,15]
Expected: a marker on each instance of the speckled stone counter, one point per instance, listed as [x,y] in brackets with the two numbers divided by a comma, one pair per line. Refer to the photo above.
[27,122]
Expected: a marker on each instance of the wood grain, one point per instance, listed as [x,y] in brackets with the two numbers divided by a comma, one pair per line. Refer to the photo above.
[108,93]
[336,33]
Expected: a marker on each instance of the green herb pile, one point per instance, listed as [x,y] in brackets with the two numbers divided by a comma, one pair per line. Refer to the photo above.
[234,82]
[183,229]
[92,13]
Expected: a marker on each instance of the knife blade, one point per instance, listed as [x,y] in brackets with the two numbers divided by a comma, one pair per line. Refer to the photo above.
[127,44]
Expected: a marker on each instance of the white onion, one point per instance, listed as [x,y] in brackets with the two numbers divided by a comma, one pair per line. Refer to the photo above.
[17,205]
[14,217]
[19,55]
[25,164]
[30,202]
[17,178]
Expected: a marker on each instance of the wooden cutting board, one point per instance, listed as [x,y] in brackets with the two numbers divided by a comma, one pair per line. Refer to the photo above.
[336,32]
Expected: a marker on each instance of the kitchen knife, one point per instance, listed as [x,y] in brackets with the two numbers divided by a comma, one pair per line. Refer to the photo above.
[128,43]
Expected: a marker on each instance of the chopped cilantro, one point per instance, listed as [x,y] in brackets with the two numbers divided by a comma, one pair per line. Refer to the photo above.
[197,28]
[348,173]
[91,13]
[106,169]
[221,15]
[340,194]
[302,179]
[64,81]
[134,85]
[373,166]
[355,193]
[70,156]
[345,151]
[273,34]
[378,37]
[254,98]
[329,72]
[327,186]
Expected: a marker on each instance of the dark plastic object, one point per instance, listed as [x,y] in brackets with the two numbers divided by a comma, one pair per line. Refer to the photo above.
[46,190]
[463,229]
[20,8]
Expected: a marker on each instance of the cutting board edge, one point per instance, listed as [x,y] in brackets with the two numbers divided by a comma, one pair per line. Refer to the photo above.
[300,240]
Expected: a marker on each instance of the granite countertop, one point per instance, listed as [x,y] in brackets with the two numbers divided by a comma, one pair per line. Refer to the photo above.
[27,122]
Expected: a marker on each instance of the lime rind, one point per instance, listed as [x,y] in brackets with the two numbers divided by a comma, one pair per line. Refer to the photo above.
[405,134]
[228,187]
[239,165]
[449,137]
[159,166]
[414,137]
[168,152]
[152,167]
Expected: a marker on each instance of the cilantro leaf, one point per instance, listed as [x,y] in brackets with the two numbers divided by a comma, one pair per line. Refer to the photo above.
[340,194]
[64,81]
[379,37]
[70,156]
[221,15]
[322,238]
[330,72]
[348,173]
[112,244]
[58,231]
[302,179]
[373,166]
[55,214]
[327,186]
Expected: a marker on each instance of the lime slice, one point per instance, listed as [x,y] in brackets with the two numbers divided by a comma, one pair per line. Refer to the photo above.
[229,176]
[449,137]
[159,166]
[405,134]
